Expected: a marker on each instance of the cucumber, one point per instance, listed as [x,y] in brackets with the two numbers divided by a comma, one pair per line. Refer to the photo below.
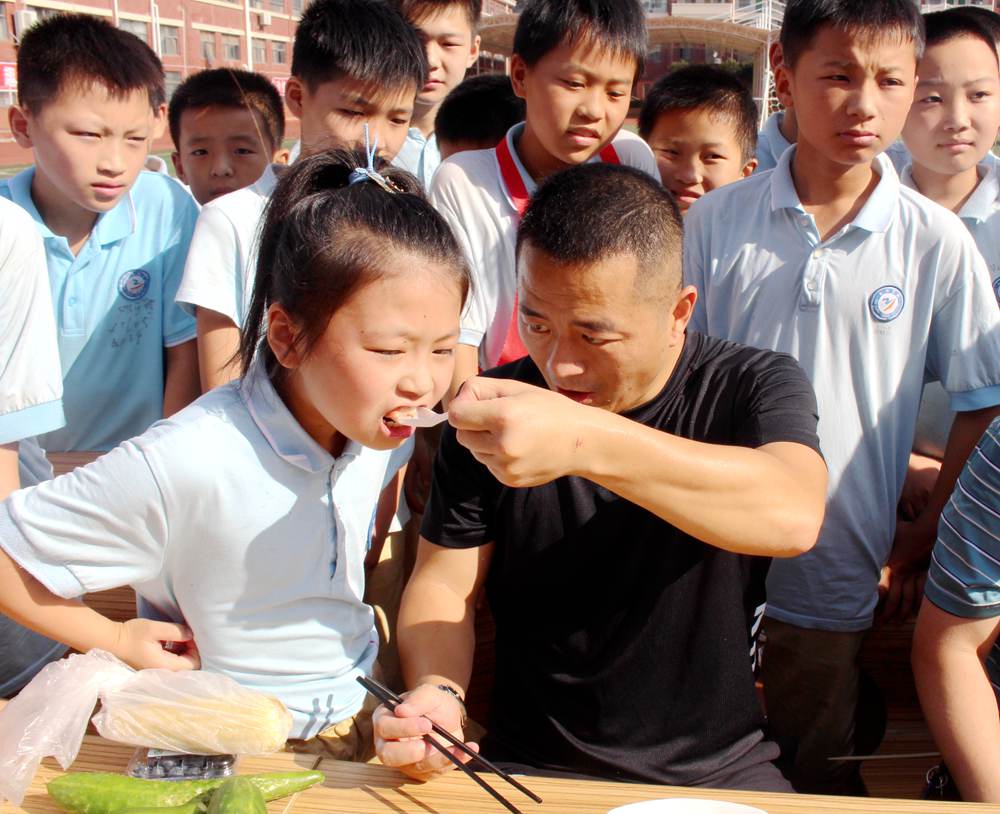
[237,795]
[104,793]
[275,785]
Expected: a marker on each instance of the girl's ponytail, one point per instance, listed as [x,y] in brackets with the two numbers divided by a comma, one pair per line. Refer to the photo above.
[323,237]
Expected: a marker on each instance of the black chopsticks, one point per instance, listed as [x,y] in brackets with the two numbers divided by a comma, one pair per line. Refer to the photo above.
[390,699]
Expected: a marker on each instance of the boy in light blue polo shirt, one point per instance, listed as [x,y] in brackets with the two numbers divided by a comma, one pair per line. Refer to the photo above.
[772,140]
[448,30]
[871,287]
[950,130]
[115,236]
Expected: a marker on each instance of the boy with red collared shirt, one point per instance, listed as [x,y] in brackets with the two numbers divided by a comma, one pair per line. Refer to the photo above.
[574,64]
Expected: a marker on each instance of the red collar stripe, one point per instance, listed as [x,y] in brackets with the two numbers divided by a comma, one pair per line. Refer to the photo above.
[513,348]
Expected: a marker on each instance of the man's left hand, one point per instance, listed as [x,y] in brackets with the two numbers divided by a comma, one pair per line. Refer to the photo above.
[525,435]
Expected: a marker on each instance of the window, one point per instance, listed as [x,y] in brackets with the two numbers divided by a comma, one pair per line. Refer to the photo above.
[259,51]
[170,40]
[208,45]
[137,27]
[296,6]
[231,47]
[256,3]
[277,5]
[279,52]
[43,13]
[4,26]
[171,79]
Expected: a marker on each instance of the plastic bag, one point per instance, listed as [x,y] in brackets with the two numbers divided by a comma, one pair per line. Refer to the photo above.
[194,713]
[188,711]
[49,717]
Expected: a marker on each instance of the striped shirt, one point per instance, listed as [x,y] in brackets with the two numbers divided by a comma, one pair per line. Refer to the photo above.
[964,577]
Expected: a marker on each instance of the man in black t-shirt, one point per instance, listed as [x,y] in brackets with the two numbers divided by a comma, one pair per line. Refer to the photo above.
[619,492]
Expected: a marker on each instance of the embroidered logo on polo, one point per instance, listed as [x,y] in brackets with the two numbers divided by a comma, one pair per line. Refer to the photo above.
[133,285]
[996,289]
[887,303]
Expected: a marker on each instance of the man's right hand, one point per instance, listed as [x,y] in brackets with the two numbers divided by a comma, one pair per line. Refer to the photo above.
[141,645]
[399,735]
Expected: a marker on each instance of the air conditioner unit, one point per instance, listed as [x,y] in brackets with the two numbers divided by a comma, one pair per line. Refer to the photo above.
[23,20]
[264,18]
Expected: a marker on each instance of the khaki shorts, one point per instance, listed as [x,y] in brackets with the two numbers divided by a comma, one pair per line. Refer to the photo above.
[351,739]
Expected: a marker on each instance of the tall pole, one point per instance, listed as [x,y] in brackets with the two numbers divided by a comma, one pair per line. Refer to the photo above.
[246,26]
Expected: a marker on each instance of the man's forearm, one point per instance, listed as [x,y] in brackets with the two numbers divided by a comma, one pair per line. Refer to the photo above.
[437,637]
[766,501]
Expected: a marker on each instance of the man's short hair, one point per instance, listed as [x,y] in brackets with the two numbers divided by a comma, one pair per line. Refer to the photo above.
[704,87]
[804,19]
[945,26]
[230,88]
[626,212]
[81,49]
[416,10]
[618,26]
[480,109]
[366,40]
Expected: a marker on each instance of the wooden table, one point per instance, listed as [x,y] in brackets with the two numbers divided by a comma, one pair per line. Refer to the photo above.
[366,789]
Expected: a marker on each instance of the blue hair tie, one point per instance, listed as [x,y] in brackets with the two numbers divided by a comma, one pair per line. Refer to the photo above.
[369,173]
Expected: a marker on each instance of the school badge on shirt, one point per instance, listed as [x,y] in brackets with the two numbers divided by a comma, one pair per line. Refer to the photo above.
[887,303]
[133,285]
[996,286]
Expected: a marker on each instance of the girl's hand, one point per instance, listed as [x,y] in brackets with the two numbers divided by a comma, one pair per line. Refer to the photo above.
[141,645]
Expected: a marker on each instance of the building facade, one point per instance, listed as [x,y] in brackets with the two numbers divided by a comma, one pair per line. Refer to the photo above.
[191,35]
[187,35]
[734,9]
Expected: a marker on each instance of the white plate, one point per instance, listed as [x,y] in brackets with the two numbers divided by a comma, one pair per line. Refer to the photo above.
[683,805]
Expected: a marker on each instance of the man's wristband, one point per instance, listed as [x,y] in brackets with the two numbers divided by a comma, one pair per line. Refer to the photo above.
[457,696]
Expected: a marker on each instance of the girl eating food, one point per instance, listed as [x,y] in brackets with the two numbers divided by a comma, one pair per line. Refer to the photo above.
[243,521]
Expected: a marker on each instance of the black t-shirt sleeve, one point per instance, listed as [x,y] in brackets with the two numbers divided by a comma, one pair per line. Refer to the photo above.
[463,497]
[780,403]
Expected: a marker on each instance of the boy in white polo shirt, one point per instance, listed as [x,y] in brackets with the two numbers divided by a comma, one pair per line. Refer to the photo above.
[871,287]
[30,402]
[950,131]
[448,29]
[574,64]
[115,236]
[343,49]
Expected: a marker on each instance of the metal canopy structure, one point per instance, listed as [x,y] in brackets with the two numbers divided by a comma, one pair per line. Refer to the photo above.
[498,33]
